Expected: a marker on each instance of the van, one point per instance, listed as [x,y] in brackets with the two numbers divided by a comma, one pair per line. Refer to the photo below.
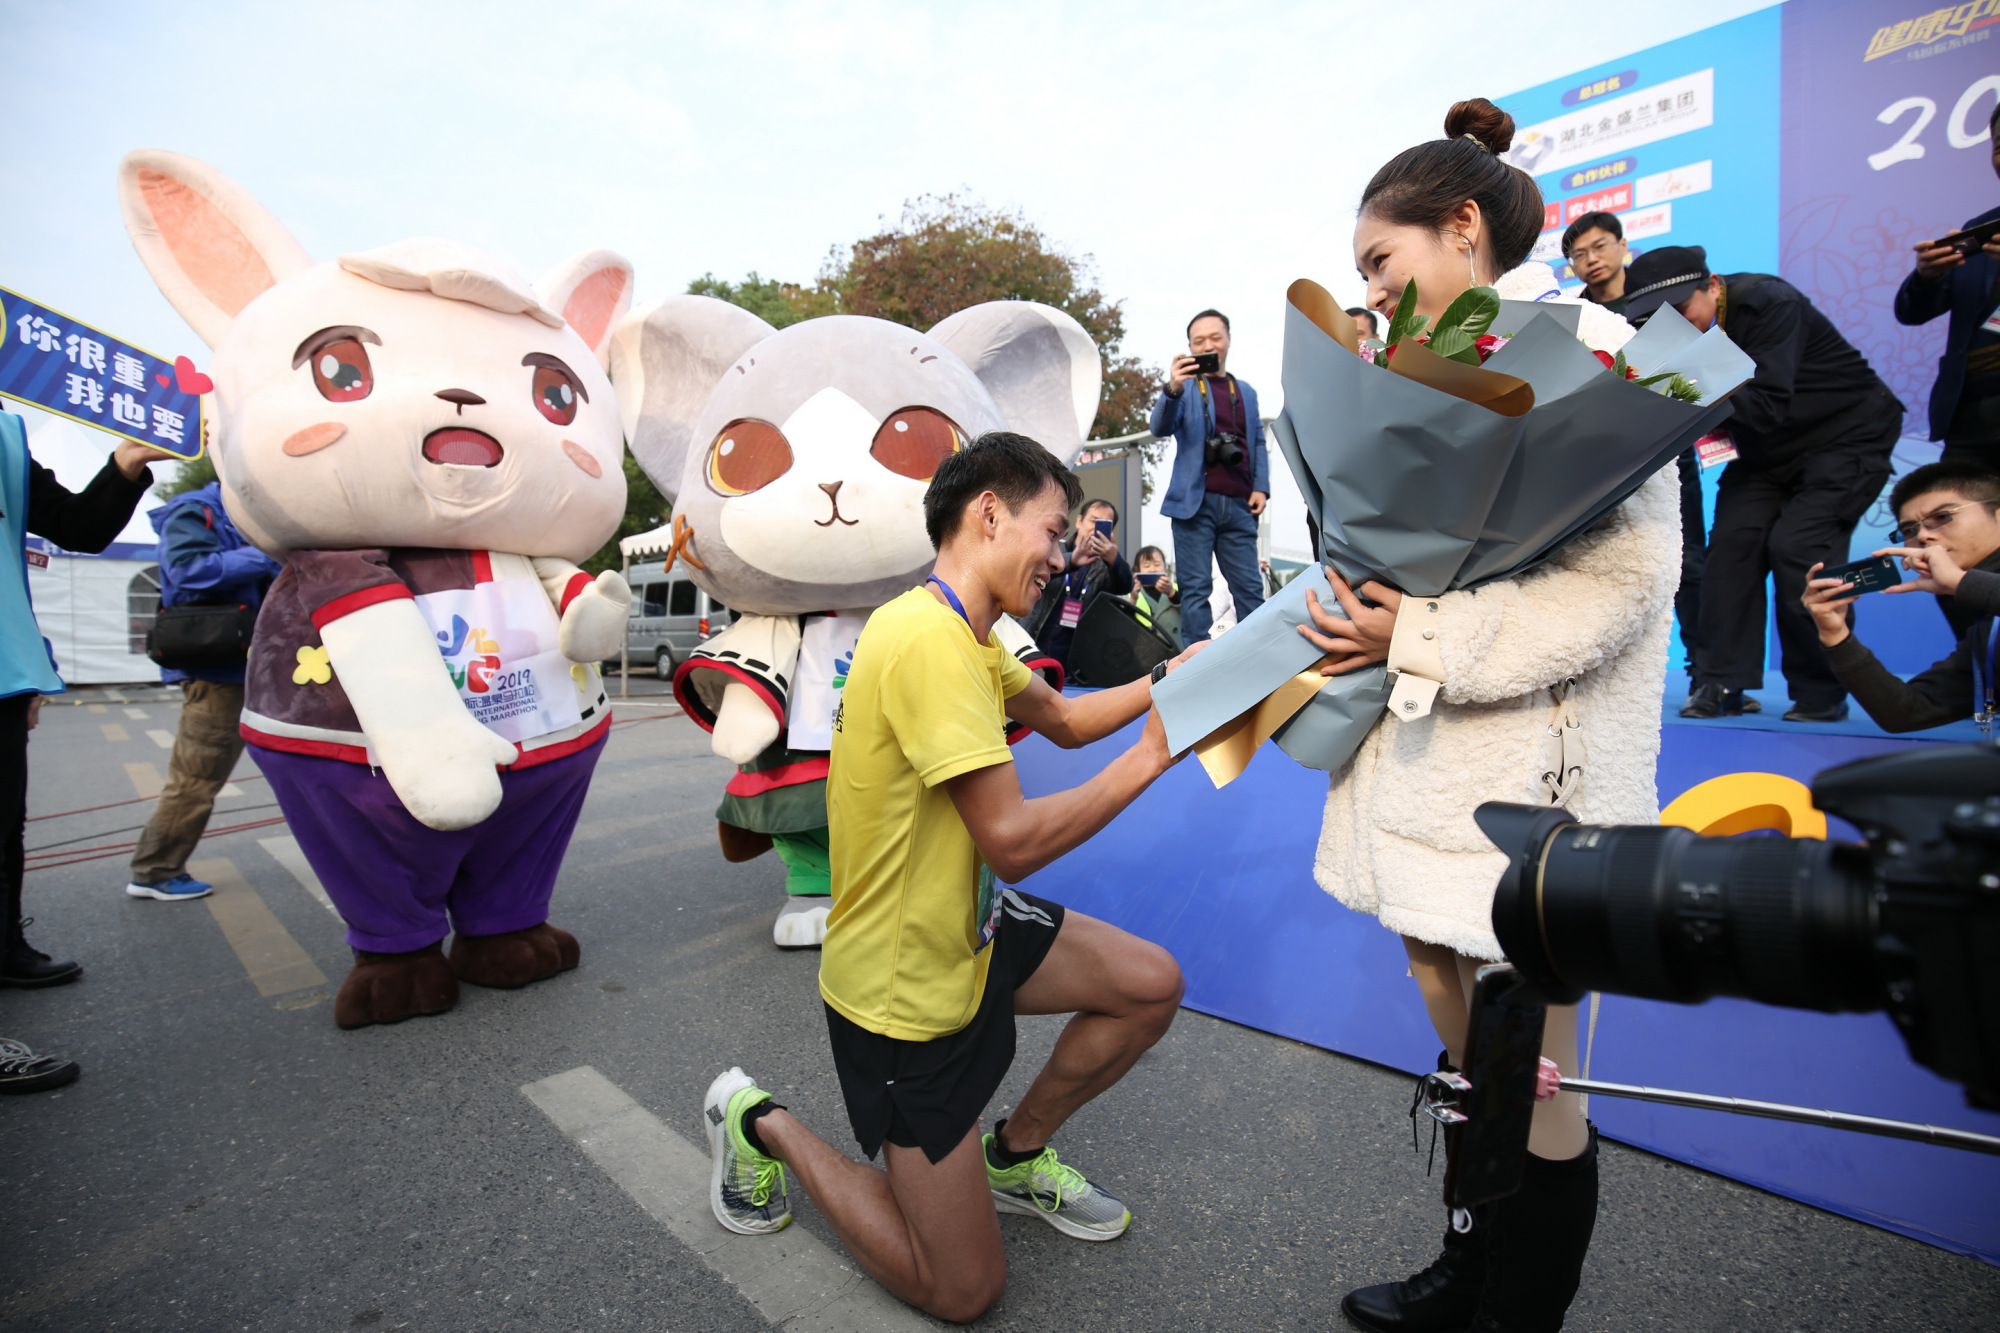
[670,618]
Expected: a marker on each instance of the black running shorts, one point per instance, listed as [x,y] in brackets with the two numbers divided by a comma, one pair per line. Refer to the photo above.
[930,1094]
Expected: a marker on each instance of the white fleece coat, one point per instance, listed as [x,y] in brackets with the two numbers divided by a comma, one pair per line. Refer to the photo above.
[1399,840]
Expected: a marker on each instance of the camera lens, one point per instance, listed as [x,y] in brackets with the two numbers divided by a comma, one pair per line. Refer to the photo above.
[1663,913]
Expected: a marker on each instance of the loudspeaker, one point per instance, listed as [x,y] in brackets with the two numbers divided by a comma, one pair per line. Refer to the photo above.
[1112,647]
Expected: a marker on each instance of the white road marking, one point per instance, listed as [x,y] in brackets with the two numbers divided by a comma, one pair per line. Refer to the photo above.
[113,732]
[272,958]
[163,739]
[146,779]
[794,1280]
[287,853]
[229,789]
[139,713]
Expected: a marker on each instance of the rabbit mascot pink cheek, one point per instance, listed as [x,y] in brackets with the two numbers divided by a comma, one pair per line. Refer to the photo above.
[428,445]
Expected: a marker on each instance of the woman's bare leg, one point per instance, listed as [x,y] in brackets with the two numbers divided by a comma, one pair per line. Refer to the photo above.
[1446,997]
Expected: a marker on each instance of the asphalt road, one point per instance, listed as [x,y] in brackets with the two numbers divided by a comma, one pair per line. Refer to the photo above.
[231,1160]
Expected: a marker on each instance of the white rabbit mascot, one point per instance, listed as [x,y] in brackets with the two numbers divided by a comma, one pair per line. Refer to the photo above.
[428,445]
[796,461]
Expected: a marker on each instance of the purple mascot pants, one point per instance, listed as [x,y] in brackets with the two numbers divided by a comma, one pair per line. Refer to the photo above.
[400,885]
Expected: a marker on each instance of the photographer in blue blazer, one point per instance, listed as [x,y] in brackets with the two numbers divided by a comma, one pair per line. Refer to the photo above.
[1965,401]
[1221,478]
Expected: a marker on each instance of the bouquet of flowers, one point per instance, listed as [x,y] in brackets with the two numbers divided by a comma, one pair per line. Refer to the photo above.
[1441,458]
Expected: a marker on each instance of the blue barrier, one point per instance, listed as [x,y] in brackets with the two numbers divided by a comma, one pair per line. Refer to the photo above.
[1223,879]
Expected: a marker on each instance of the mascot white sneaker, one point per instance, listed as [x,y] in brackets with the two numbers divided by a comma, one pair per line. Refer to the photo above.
[428,445]
[796,461]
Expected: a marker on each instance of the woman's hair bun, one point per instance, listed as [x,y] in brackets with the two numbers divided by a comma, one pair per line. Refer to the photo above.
[1487,123]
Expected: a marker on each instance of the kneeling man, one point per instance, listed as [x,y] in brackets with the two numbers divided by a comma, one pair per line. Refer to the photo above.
[928,958]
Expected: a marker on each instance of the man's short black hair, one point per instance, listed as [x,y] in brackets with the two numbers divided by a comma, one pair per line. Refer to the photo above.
[1092,503]
[1011,466]
[1359,312]
[1593,222]
[1208,314]
[1974,481]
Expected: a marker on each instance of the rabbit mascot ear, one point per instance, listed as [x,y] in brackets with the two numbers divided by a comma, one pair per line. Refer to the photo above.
[1039,365]
[664,361]
[592,291]
[211,247]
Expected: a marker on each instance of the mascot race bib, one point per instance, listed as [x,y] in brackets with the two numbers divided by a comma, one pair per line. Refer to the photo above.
[825,652]
[499,644]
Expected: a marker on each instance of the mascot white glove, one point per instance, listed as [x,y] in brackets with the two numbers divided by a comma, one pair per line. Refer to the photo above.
[593,625]
[744,724]
[440,762]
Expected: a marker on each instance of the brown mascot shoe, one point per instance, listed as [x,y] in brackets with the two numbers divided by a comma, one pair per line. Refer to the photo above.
[515,957]
[390,987]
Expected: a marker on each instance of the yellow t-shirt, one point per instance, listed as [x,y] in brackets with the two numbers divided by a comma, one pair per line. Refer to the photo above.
[913,905]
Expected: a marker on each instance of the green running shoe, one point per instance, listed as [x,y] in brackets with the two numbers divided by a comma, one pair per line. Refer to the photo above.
[747,1190]
[1044,1187]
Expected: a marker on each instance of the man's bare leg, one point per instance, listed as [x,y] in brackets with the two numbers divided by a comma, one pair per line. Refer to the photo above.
[928,1233]
[1124,992]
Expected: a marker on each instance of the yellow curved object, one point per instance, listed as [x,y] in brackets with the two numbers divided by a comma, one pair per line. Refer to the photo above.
[1742,802]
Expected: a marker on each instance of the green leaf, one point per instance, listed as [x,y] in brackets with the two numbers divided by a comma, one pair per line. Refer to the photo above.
[1619,366]
[1463,322]
[1400,323]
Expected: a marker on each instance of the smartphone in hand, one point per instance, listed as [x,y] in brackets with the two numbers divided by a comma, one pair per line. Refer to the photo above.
[1104,526]
[1871,575]
[1208,363]
[1973,239]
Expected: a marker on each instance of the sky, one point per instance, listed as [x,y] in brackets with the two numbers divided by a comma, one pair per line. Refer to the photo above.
[1201,155]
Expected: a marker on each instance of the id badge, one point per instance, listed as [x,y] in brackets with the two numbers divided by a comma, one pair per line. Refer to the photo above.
[988,912]
[1992,324]
[1716,447]
[1072,611]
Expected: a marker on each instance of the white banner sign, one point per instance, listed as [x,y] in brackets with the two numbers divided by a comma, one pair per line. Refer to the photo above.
[1617,125]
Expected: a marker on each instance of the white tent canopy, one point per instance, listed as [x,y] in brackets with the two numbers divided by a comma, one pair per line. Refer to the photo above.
[94,609]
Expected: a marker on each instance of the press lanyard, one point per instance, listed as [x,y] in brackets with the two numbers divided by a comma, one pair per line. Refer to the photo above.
[1982,677]
[1208,408]
[951,597]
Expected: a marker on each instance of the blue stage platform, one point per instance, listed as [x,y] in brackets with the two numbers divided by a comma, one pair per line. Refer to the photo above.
[1223,879]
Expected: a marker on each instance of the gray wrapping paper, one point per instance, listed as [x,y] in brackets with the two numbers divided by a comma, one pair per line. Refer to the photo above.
[1428,493]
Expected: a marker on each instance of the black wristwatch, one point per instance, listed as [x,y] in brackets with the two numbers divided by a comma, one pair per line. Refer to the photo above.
[1160,673]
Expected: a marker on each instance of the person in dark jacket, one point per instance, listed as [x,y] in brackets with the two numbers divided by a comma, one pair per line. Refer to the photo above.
[203,560]
[1813,430]
[1948,515]
[33,501]
[1214,494]
[1965,400]
[1095,567]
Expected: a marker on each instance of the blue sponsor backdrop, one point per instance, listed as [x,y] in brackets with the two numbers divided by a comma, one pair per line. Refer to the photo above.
[1819,142]
[65,366]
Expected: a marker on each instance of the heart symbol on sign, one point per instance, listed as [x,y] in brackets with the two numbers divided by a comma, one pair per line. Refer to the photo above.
[190,380]
[164,381]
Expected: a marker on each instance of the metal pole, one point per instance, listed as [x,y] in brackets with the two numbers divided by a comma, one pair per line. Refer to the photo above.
[625,643]
[1941,1135]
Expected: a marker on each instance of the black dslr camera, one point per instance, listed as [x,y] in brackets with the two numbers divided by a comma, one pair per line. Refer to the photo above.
[1224,449]
[1908,922]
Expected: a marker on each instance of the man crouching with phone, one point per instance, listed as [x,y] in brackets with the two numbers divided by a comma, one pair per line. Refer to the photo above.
[1948,515]
[928,958]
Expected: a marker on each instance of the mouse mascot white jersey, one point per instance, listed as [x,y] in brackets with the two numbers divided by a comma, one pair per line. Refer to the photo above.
[796,461]
[428,445]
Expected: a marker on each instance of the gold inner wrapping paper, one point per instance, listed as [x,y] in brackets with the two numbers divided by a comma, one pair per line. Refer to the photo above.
[1228,750]
[1508,395]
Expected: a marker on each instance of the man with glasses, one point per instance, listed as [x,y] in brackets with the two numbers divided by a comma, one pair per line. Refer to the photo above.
[1594,245]
[1949,521]
[1813,430]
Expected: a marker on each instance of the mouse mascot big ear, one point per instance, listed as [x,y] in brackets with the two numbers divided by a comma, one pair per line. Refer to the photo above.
[796,461]
[428,444]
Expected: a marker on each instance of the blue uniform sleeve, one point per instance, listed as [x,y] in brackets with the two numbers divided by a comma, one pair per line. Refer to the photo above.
[192,550]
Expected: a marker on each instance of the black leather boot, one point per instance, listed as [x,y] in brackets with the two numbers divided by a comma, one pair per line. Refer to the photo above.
[1442,1298]
[1539,1236]
[25,966]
